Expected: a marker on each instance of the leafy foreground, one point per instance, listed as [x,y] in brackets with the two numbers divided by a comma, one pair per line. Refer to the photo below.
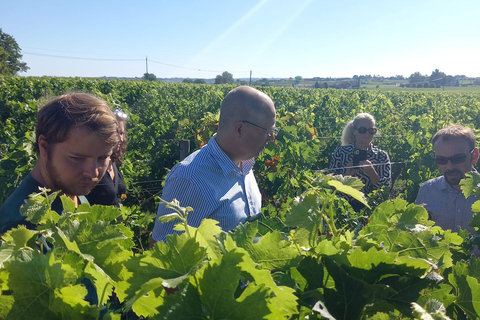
[309,265]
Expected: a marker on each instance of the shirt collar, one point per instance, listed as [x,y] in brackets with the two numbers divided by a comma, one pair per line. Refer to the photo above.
[226,164]
[446,186]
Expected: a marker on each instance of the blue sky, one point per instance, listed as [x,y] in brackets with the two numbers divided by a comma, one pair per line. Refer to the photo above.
[272,38]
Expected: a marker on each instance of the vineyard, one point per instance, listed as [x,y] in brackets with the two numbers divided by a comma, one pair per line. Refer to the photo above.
[308,257]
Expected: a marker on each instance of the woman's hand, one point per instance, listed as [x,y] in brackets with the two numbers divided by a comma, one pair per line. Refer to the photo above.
[349,171]
[367,167]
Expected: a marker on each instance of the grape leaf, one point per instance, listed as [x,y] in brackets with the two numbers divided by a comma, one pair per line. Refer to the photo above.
[272,251]
[350,191]
[50,281]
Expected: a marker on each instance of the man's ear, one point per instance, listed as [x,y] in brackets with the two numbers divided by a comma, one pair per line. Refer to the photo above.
[475,155]
[238,129]
[43,146]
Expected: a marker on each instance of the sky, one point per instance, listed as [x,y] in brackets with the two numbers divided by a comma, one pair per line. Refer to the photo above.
[269,38]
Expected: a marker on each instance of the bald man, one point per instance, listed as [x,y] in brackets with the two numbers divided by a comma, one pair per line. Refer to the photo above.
[217,181]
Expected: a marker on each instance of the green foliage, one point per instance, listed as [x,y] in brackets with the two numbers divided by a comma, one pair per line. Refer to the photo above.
[10,56]
[308,256]
[224,78]
[149,77]
[314,265]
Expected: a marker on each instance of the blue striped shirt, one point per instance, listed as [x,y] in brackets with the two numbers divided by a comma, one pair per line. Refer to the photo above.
[214,186]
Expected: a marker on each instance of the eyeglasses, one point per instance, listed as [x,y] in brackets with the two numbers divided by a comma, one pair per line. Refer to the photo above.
[272,131]
[456,159]
[120,114]
[363,130]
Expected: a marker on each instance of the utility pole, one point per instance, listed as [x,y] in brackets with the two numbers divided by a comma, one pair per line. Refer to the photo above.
[146,65]
[250,82]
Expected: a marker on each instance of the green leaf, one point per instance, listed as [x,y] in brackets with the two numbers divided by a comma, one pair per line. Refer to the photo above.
[475,223]
[327,248]
[350,181]
[103,283]
[218,282]
[18,237]
[348,190]
[467,289]
[182,305]
[103,244]
[312,271]
[37,209]
[49,280]
[147,299]
[97,213]
[179,256]
[304,211]
[206,235]
[272,250]
[470,184]
[67,204]
[441,292]
[6,304]
[173,262]
[170,217]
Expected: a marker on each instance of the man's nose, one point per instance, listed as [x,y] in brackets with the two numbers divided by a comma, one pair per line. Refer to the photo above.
[449,165]
[91,169]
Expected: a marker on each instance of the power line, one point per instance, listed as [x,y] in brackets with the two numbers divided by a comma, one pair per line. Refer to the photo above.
[190,68]
[78,58]
[110,59]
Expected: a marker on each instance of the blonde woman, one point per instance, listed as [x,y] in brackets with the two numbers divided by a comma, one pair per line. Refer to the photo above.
[359,157]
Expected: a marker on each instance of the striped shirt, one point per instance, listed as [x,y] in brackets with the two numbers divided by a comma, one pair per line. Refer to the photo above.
[343,156]
[214,186]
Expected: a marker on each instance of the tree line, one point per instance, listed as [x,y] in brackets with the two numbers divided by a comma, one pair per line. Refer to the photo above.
[11,64]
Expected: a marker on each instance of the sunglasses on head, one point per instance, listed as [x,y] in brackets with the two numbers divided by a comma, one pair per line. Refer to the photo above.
[456,159]
[363,130]
[120,114]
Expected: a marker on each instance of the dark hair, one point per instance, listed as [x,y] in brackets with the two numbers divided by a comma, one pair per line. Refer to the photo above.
[455,131]
[74,110]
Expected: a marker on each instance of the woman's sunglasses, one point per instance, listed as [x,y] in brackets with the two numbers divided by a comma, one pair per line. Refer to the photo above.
[363,130]
[456,159]
[120,114]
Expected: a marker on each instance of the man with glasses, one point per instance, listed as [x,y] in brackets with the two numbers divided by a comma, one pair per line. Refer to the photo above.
[217,181]
[455,155]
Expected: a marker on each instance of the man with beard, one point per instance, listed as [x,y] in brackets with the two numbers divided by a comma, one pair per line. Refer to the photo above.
[75,137]
[455,155]
[217,181]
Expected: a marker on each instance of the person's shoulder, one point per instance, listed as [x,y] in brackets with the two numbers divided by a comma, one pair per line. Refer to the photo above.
[432,183]
[375,148]
[28,186]
[10,209]
[191,165]
[345,149]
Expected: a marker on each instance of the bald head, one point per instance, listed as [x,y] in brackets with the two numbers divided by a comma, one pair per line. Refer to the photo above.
[247,117]
[243,103]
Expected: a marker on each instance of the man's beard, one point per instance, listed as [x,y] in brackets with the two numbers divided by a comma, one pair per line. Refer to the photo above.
[57,183]
[451,180]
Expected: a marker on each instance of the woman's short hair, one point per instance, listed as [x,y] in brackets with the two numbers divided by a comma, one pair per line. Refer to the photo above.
[455,131]
[74,110]
[347,134]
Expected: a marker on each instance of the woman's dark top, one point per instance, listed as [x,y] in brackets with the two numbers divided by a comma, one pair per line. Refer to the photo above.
[379,159]
[109,192]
